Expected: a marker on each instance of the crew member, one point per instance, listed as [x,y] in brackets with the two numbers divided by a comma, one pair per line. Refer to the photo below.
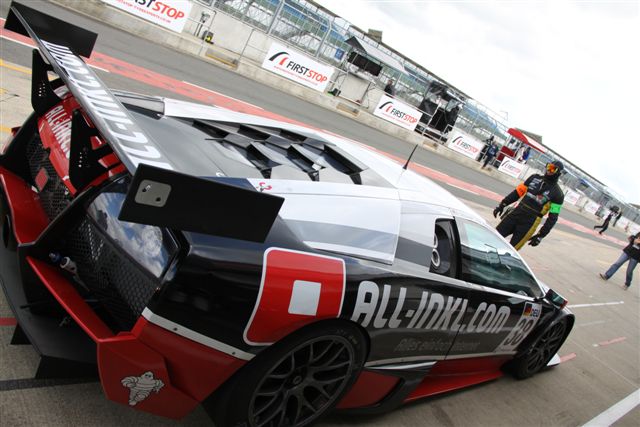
[540,195]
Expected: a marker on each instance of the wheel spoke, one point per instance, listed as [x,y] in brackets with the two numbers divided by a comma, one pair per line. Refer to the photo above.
[323,351]
[303,383]
[267,412]
[294,410]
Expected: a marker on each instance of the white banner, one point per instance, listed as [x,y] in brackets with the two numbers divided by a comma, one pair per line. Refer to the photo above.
[465,144]
[298,67]
[397,112]
[171,14]
[622,223]
[511,167]
[591,207]
[571,197]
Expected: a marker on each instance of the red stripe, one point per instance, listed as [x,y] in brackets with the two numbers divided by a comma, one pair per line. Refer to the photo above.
[613,341]
[568,357]
[8,321]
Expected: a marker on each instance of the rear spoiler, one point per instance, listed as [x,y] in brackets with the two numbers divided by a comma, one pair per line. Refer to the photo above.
[158,195]
[108,115]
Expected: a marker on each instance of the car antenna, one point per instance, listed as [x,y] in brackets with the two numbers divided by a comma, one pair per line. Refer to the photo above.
[406,165]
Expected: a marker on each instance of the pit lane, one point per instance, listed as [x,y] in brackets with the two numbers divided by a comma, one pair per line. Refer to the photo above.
[601,357]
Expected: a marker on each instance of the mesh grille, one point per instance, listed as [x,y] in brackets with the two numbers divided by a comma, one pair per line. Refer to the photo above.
[115,281]
[54,197]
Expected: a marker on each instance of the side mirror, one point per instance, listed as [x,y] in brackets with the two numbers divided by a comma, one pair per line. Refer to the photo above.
[556,299]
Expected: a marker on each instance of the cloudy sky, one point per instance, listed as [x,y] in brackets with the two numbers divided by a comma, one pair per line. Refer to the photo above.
[566,70]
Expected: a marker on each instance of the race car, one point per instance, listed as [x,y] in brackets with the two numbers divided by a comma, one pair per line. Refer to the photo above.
[267,270]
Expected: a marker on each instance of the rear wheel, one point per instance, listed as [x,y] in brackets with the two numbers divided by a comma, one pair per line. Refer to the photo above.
[541,352]
[296,381]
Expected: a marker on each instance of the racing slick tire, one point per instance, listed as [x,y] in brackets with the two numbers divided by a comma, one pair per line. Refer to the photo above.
[538,355]
[294,382]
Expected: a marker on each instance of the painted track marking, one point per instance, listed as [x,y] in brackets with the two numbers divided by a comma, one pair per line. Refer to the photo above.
[609,342]
[616,412]
[596,304]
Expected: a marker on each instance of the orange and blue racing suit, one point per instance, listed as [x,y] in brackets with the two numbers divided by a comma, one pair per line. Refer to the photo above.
[539,195]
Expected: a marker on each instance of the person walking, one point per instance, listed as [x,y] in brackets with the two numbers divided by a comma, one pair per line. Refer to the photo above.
[603,227]
[540,195]
[490,154]
[630,253]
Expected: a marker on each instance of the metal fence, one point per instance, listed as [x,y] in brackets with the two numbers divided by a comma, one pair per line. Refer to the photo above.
[314,30]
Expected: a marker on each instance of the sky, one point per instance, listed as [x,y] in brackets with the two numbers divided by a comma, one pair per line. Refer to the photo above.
[566,70]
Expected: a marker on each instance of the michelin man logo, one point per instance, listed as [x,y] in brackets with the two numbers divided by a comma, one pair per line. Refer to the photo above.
[141,387]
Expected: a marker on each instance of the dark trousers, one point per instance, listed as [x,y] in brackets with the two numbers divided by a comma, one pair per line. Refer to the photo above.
[487,159]
[603,227]
[520,224]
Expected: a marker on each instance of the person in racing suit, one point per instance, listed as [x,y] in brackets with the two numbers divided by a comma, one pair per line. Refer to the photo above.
[540,195]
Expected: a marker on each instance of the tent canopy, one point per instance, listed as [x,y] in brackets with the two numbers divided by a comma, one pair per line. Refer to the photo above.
[524,138]
[376,53]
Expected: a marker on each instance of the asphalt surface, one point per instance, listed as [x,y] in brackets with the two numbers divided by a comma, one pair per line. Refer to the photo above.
[602,356]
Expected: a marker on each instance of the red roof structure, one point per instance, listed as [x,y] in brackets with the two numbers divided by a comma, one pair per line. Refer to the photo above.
[529,141]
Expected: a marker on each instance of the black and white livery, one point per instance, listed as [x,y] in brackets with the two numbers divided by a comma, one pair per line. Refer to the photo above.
[267,270]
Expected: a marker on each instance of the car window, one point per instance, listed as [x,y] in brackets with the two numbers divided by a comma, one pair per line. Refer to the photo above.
[488,260]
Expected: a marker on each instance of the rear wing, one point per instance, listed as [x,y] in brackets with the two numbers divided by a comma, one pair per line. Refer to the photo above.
[158,195]
[59,44]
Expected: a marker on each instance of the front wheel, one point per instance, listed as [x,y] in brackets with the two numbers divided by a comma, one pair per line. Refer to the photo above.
[540,352]
[294,382]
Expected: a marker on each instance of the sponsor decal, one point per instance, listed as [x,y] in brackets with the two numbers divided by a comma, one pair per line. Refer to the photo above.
[171,14]
[86,87]
[434,312]
[465,144]
[263,186]
[523,328]
[511,167]
[59,122]
[297,67]
[297,288]
[397,112]
[141,387]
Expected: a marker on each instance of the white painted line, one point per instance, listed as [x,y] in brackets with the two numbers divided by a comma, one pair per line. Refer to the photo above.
[596,322]
[616,412]
[595,305]
[31,46]
[462,188]
[99,68]
[217,93]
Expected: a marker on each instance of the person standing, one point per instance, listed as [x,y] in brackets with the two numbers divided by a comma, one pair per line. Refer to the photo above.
[618,216]
[388,89]
[490,154]
[487,144]
[630,253]
[525,155]
[603,227]
[540,195]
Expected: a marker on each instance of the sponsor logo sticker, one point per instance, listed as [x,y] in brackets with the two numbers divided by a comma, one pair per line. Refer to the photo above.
[297,288]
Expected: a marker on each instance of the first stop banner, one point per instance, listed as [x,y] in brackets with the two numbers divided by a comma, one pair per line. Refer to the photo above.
[298,67]
[171,14]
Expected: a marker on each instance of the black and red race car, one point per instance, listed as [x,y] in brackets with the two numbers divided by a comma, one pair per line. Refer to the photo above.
[267,270]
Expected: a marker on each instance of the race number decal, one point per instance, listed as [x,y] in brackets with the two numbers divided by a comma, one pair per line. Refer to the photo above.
[297,288]
[523,327]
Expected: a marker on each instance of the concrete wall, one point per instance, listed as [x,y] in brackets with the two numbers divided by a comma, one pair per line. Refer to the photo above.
[230,37]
